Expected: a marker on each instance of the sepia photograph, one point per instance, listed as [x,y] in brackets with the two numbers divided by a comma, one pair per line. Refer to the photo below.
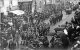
[39,25]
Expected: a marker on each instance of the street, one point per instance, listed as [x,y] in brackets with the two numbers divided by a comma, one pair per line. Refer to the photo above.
[64,19]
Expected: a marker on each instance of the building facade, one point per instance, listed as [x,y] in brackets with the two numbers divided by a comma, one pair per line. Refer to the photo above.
[40,4]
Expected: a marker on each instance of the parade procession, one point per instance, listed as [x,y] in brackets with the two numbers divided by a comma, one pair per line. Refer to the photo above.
[39,25]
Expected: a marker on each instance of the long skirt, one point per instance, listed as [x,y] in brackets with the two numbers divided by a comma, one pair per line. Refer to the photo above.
[12,45]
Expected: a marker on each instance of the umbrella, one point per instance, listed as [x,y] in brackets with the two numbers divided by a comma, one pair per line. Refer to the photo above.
[17,12]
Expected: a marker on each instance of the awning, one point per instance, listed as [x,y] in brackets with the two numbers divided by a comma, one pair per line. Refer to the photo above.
[17,12]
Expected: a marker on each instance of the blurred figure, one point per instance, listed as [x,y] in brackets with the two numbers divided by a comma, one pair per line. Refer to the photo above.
[76,46]
[45,42]
[65,41]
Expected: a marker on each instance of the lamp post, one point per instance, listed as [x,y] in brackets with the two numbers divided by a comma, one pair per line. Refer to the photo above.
[1,4]
[0,11]
[0,19]
[0,15]
[35,10]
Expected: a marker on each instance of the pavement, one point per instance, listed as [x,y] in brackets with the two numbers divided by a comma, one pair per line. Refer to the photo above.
[66,18]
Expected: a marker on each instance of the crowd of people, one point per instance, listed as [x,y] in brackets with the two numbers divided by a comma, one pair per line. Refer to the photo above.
[22,30]
[32,31]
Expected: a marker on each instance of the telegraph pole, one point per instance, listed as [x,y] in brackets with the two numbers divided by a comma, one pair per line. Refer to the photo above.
[0,14]
[0,19]
[35,10]
[1,5]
